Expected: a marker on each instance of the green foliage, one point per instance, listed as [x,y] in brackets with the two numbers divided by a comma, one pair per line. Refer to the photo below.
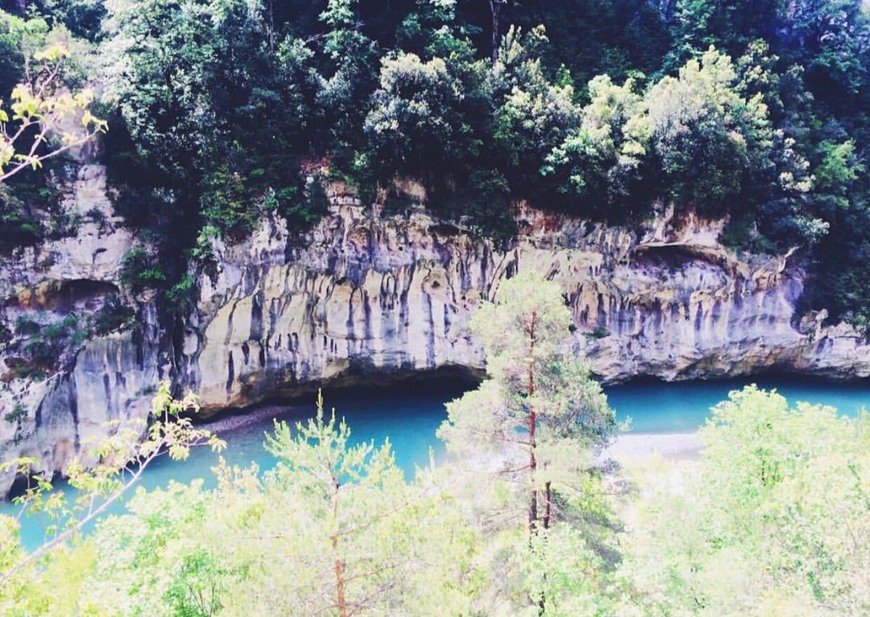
[184,294]
[483,206]
[222,109]
[705,135]
[421,113]
[602,161]
[729,25]
[30,207]
[840,282]
[139,269]
[82,17]
[531,372]
[524,439]
[44,347]
[13,31]
[599,332]
[333,528]
[120,460]
[170,78]
[112,316]
[43,117]
[302,212]
[592,37]
[226,202]
[830,38]
[837,171]
[19,412]
[772,521]
[532,115]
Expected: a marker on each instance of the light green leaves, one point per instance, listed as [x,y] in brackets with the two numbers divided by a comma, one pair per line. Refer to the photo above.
[523,440]
[704,133]
[773,520]
[41,107]
[119,459]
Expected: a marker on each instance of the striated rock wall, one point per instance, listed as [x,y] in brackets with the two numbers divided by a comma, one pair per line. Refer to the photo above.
[57,416]
[362,293]
[365,293]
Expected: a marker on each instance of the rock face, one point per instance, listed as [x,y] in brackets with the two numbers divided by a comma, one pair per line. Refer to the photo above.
[362,293]
[54,418]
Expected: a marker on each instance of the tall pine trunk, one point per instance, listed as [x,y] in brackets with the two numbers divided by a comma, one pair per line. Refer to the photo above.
[338,567]
[495,9]
[533,421]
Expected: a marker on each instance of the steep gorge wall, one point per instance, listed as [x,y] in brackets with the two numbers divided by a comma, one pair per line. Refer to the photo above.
[368,293]
[363,293]
[105,379]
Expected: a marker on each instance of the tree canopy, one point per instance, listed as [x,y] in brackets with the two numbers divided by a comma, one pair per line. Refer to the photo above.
[771,521]
[222,109]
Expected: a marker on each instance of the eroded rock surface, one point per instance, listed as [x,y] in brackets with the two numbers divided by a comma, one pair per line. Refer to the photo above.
[368,293]
[363,293]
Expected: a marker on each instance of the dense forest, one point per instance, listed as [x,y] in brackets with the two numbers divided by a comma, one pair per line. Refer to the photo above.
[214,113]
[221,110]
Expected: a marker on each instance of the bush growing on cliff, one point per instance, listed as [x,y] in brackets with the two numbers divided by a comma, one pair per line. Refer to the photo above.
[18,412]
[139,270]
[113,316]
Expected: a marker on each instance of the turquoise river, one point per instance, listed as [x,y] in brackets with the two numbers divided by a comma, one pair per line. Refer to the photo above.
[409,418]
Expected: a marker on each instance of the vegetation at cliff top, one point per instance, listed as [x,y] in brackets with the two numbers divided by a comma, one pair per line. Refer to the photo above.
[221,110]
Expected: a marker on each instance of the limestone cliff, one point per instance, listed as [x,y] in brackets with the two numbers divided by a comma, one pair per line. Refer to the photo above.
[52,413]
[365,292]
[362,292]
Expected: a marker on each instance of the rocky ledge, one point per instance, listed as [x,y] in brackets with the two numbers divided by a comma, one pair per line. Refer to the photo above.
[362,293]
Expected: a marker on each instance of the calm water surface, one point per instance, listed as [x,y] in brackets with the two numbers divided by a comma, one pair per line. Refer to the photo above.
[409,420]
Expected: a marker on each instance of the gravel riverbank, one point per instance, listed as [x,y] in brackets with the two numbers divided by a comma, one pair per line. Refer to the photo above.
[634,446]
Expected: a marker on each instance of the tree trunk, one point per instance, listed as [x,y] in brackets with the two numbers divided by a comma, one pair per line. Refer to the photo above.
[533,461]
[533,466]
[533,422]
[495,9]
[548,494]
[542,603]
[271,26]
[340,599]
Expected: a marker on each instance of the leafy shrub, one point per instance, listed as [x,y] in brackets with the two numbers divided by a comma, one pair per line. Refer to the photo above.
[96,215]
[599,332]
[44,345]
[139,270]
[19,412]
[486,210]
[24,326]
[18,224]
[183,295]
